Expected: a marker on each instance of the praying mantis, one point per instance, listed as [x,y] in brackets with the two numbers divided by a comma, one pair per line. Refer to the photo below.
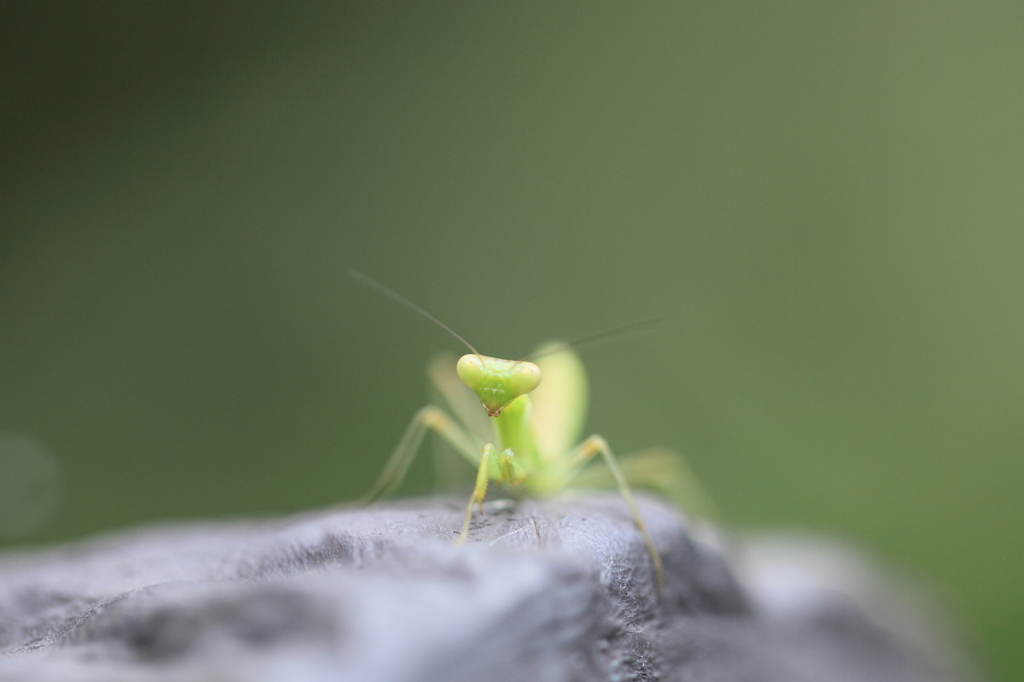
[535,429]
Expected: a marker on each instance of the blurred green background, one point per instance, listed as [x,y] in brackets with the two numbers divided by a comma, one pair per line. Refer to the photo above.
[824,204]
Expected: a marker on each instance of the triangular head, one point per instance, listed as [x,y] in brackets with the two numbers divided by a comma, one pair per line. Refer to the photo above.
[498,382]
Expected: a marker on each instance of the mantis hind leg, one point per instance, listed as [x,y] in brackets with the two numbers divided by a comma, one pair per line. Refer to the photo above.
[595,445]
[430,418]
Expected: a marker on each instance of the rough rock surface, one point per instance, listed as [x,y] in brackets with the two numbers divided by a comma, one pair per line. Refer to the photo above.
[557,590]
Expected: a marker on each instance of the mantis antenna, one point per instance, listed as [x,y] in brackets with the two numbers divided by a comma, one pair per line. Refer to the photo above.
[625,329]
[370,282]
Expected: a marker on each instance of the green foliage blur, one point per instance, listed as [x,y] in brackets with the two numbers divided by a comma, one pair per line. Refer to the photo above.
[822,203]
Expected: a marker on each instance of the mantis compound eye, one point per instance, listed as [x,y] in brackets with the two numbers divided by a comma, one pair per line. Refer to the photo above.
[525,377]
[469,368]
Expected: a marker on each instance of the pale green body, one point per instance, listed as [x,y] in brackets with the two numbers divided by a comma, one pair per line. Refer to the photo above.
[532,439]
[533,442]
[527,437]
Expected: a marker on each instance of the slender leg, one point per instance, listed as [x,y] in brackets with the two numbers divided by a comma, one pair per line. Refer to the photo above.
[483,474]
[429,417]
[583,453]
[661,470]
[509,469]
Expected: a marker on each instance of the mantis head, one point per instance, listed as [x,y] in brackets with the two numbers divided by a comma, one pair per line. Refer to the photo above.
[497,382]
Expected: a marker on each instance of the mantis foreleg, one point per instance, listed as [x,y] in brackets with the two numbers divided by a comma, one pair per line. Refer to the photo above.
[509,472]
[483,475]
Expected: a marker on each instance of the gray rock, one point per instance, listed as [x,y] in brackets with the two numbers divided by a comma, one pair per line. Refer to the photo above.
[555,590]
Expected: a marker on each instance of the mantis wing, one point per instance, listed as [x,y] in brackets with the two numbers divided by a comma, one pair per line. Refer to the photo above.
[560,402]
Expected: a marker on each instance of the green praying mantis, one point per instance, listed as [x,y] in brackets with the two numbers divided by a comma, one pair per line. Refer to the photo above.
[534,444]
